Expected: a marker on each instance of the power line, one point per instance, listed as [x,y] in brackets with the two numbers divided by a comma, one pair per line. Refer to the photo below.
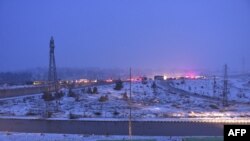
[130,114]
[225,87]
[214,87]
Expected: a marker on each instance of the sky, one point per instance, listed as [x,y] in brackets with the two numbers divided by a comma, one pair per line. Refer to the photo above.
[146,34]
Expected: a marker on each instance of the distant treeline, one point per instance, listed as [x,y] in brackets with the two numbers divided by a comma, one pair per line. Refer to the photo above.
[15,78]
[27,77]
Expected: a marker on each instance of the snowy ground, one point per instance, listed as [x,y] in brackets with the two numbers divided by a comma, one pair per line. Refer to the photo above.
[9,136]
[147,103]
[238,87]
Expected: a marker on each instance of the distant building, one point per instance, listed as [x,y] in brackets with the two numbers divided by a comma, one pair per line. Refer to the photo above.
[171,78]
[158,77]
[144,80]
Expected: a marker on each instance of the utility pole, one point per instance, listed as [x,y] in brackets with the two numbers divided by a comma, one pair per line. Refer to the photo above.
[130,114]
[243,65]
[214,87]
[225,87]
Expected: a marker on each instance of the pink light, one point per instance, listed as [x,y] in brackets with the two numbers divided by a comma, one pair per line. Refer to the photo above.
[109,80]
[135,79]
[190,75]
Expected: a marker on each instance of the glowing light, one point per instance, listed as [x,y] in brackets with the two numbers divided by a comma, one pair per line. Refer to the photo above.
[165,77]
[135,79]
[38,83]
[109,80]
[82,81]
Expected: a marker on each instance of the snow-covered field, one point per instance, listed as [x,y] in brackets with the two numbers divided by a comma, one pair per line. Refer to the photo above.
[147,103]
[238,87]
[9,136]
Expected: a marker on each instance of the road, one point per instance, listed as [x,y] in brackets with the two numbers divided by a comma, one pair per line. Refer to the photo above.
[26,91]
[149,128]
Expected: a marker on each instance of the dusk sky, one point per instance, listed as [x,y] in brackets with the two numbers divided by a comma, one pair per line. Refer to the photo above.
[155,34]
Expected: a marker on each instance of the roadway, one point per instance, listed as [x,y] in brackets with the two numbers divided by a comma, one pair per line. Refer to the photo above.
[26,91]
[142,128]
